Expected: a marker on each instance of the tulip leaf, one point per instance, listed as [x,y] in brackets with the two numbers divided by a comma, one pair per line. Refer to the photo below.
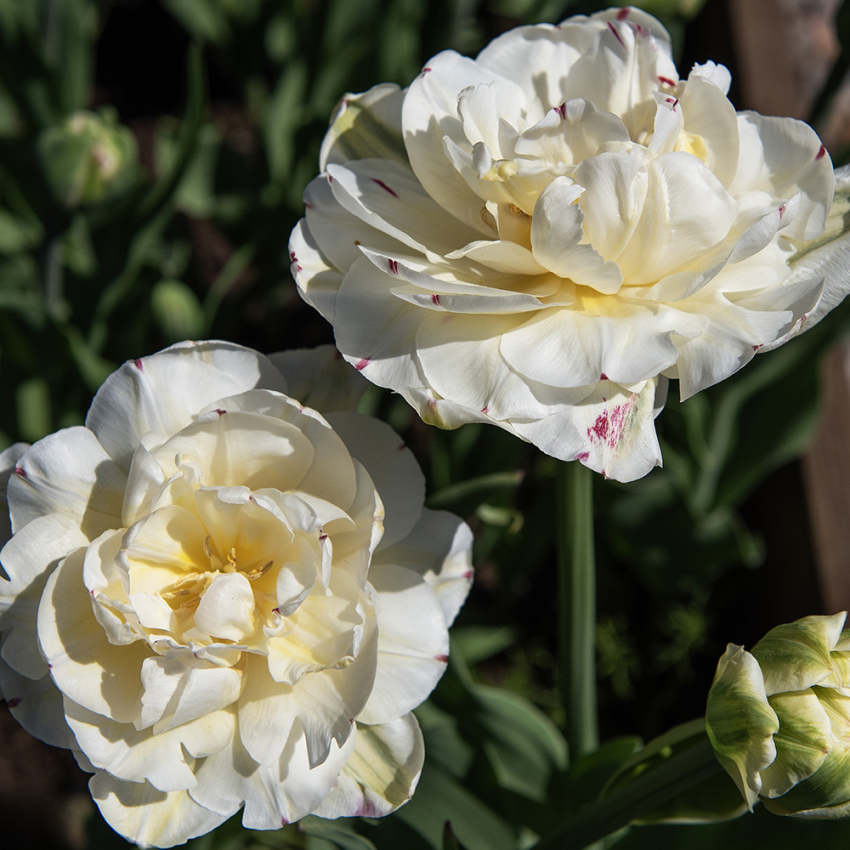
[450,841]
[335,835]
[439,798]
[524,747]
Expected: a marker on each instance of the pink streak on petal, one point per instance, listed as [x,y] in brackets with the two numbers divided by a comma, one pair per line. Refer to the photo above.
[666,81]
[435,299]
[384,186]
[393,266]
[616,34]
[821,153]
[138,365]
[360,365]
[623,13]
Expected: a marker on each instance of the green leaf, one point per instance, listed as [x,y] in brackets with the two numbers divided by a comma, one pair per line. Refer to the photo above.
[450,841]
[439,798]
[338,835]
[204,19]
[524,747]
[478,643]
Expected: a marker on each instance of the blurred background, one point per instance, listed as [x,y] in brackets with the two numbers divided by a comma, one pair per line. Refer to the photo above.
[153,156]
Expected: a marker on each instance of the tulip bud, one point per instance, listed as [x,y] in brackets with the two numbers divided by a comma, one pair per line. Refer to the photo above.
[779,718]
[86,156]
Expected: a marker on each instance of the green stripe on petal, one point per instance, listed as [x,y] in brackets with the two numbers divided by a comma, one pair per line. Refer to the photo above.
[826,787]
[366,125]
[802,742]
[796,655]
[740,721]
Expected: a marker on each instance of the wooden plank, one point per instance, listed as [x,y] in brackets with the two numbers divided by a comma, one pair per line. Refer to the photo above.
[826,473]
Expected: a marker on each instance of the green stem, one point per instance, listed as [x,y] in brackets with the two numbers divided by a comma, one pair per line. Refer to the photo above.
[636,799]
[577,608]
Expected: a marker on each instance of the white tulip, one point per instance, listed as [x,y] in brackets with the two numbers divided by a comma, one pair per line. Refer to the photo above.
[219,598]
[542,236]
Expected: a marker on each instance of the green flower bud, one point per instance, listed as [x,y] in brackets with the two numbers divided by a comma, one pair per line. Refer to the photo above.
[779,718]
[86,156]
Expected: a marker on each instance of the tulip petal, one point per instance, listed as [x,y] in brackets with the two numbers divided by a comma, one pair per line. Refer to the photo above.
[740,722]
[381,773]
[149,817]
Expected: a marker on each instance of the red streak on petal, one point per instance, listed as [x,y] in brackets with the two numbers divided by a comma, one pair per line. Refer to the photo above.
[561,110]
[360,365]
[138,365]
[603,377]
[284,822]
[435,299]
[393,266]
[443,659]
[582,456]
[293,257]
[666,81]
[782,211]
[14,701]
[330,178]
[821,153]
[599,429]
[486,409]
[757,347]
[384,186]
[616,34]
[20,471]
[323,537]
[623,13]
[426,70]
[468,575]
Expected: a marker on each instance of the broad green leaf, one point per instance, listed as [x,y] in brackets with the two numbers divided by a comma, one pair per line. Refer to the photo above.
[438,799]
[339,836]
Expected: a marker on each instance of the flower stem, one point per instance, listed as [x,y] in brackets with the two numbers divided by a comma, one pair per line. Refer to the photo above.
[577,608]
[635,799]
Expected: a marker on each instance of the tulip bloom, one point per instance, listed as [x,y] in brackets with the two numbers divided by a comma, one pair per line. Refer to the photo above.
[219,598]
[778,718]
[543,236]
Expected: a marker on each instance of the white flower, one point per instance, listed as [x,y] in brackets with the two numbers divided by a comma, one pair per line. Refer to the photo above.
[238,601]
[542,236]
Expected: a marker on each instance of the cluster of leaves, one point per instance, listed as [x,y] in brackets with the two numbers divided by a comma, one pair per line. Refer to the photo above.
[153,157]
